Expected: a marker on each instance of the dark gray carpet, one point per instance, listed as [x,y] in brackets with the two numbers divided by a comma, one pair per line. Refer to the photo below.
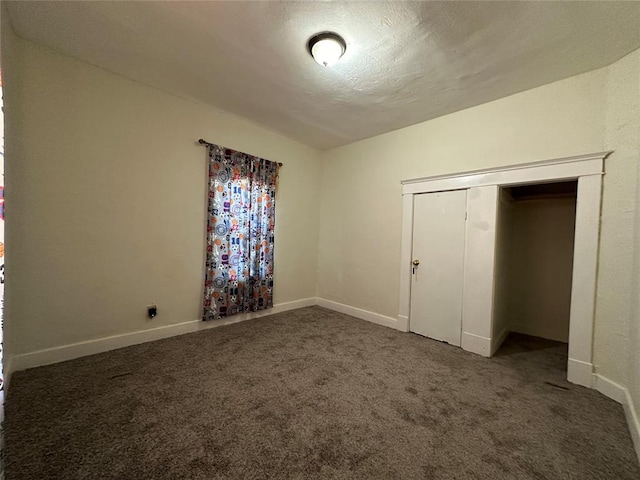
[313,394]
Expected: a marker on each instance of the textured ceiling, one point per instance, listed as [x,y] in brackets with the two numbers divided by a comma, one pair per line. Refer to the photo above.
[406,62]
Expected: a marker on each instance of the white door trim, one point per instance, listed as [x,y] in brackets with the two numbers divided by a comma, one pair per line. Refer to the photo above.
[587,169]
[532,172]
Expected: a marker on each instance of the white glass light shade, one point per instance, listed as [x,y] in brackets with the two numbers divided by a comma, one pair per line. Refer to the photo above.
[327,48]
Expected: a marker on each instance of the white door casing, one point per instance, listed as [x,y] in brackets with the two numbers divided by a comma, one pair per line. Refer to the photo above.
[438,245]
[479,275]
[476,322]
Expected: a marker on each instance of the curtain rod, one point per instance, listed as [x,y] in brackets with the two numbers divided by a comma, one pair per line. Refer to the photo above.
[202,141]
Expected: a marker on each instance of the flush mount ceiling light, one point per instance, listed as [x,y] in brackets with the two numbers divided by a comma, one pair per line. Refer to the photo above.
[326,48]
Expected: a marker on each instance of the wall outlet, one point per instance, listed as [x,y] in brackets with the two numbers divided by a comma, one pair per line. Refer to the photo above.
[152,311]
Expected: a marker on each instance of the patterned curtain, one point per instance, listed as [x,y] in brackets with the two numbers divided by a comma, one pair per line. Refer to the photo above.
[240,233]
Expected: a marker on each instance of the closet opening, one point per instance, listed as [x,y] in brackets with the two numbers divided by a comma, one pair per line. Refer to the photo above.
[534,268]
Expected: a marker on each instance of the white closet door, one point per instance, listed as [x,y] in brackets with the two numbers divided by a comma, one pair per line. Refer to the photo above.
[438,245]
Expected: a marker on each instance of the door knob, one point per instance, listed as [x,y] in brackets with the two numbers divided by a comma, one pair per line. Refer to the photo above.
[415,264]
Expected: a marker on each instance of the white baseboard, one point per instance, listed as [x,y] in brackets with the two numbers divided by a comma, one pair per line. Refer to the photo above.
[621,395]
[403,323]
[497,341]
[609,388]
[476,344]
[580,373]
[358,313]
[99,345]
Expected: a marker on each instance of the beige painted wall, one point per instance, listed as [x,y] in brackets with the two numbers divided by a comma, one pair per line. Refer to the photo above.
[8,56]
[624,129]
[615,279]
[106,202]
[540,265]
[361,193]
[634,329]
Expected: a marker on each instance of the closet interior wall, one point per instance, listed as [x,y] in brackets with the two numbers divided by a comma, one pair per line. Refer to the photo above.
[534,260]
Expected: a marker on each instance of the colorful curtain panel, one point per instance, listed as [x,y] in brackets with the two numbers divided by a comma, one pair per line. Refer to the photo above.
[240,233]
